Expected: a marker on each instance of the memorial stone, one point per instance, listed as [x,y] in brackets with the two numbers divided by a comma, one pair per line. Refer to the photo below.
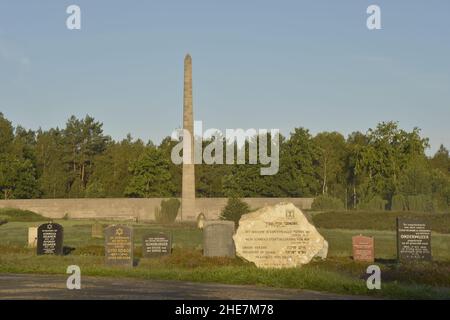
[50,239]
[119,245]
[32,237]
[413,240]
[363,248]
[218,239]
[278,236]
[156,245]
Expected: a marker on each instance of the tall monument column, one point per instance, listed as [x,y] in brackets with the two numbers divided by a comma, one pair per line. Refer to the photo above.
[188,184]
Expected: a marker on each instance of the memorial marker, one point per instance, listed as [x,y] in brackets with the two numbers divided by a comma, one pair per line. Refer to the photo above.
[188,174]
[119,245]
[156,245]
[97,230]
[32,237]
[50,239]
[278,236]
[363,248]
[413,240]
[218,239]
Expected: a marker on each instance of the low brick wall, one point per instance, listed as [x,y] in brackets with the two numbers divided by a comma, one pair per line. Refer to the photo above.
[127,208]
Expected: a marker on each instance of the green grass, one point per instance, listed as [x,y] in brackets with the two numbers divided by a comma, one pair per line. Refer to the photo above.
[377,220]
[338,273]
[341,276]
[12,214]
[340,243]
[77,233]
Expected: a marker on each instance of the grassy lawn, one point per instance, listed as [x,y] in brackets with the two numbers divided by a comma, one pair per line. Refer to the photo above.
[340,243]
[338,273]
[381,220]
[77,233]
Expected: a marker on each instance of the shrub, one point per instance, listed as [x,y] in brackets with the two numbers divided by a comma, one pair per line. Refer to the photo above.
[95,189]
[374,204]
[399,203]
[325,202]
[442,205]
[421,203]
[168,211]
[234,209]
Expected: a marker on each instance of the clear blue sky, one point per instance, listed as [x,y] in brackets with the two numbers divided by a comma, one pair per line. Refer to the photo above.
[257,64]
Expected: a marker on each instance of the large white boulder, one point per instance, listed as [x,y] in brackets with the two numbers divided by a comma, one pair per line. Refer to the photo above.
[278,236]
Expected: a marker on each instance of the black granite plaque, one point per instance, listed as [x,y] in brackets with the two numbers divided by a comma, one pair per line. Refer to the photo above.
[156,244]
[50,239]
[413,240]
[119,245]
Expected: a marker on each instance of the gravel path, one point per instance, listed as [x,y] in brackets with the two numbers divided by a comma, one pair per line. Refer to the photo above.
[26,286]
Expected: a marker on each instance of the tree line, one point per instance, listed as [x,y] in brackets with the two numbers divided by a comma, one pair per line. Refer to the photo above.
[385,165]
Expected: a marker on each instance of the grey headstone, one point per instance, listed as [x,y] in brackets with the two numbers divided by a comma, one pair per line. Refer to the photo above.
[119,245]
[413,240]
[156,245]
[218,239]
[50,239]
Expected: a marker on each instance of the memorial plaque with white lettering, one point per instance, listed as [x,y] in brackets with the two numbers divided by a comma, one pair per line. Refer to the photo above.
[156,245]
[119,246]
[413,240]
[363,248]
[50,239]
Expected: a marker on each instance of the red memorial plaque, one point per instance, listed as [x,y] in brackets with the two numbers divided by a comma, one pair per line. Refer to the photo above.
[363,248]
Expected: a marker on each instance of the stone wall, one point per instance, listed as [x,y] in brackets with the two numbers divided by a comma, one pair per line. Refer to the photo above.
[126,208]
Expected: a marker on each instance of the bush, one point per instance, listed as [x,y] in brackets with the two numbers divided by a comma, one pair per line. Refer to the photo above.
[416,203]
[168,211]
[374,204]
[399,203]
[325,202]
[442,205]
[421,203]
[234,209]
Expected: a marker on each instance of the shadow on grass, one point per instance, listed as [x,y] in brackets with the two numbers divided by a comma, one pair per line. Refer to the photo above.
[386,261]
[68,250]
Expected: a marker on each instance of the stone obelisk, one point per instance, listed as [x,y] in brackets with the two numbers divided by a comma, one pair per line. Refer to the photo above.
[188,184]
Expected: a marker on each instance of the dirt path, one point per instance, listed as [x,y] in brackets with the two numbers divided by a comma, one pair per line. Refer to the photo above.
[26,286]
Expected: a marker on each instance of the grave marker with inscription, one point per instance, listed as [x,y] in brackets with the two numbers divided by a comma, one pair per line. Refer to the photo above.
[119,245]
[278,236]
[363,248]
[218,239]
[156,245]
[413,240]
[50,239]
